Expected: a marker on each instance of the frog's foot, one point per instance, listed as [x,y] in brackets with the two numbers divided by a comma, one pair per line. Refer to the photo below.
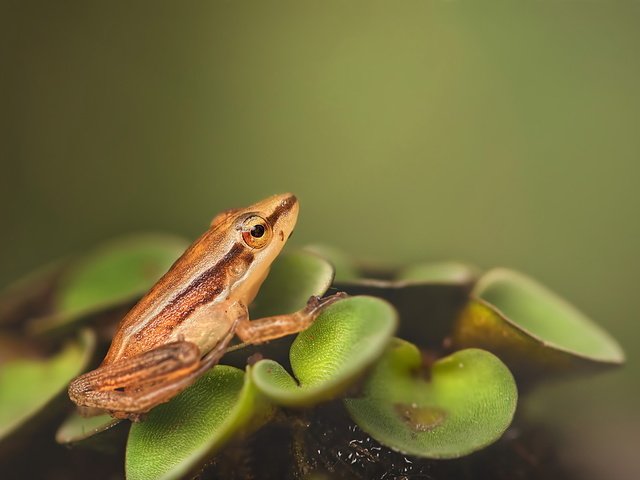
[130,387]
[316,304]
[269,328]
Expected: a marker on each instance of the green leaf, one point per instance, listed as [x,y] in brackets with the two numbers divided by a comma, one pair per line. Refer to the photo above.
[345,269]
[114,274]
[343,341]
[429,308]
[531,328]
[466,405]
[294,277]
[179,436]
[439,272]
[28,386]
[77,428]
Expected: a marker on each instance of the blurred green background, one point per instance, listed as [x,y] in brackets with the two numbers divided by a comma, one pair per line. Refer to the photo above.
[501,133]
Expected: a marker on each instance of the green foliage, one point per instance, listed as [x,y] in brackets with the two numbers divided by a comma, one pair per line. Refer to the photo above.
[294,277]
[178,436]
[534,330]
[467,404]
[77,428]
[114,274]
[444,408]
[117,272]
[28,386]
[545,315]
[345,269]
[345,339]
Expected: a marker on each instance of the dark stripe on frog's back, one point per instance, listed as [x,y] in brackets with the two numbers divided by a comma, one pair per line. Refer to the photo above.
[203,289]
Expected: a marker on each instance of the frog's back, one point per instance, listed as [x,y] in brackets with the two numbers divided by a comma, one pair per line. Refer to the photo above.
[198,277]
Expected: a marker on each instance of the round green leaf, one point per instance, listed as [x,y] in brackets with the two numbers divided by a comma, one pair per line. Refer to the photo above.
[294,277]
[179,436]
[27,386]
[345,269]
[439,272]
[343,341]
[466,405]
[118,272]
[77,428]
[114,274]
[532,328]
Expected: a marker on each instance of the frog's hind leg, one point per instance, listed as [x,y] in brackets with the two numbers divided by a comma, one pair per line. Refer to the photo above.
[131,387]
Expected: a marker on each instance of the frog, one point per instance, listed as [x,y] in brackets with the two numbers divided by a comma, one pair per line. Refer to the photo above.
[184,324]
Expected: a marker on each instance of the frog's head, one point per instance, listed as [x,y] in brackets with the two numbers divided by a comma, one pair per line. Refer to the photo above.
[267,225]
[257,234]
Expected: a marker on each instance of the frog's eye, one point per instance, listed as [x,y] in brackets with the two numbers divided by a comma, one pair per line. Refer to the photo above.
[256,232]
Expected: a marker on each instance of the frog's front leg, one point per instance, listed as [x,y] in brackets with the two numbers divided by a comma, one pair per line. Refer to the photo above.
[269,328]
[132,386]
